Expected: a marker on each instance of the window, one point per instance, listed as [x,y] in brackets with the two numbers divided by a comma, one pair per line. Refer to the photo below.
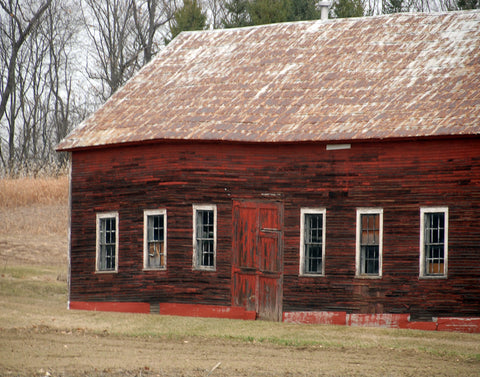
[369,242]
[154,239]
[107,242]
[312,241]
[204,236]
[433,242]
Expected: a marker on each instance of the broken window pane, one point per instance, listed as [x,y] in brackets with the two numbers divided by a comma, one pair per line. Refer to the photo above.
[156,241]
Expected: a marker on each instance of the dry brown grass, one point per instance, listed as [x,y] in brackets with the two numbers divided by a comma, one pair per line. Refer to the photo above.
[22,192]
[34,220]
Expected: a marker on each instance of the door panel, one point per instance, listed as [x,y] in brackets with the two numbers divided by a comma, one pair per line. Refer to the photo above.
[269,298]
[258,258]
[246,237]
[268,217]
[268,252]
[245,289]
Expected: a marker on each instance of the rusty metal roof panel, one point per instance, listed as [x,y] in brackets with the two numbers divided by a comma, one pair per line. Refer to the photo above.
[403,75]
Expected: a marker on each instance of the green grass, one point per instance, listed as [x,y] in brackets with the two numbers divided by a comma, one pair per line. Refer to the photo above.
[32,282]
[30,272]
[29,289]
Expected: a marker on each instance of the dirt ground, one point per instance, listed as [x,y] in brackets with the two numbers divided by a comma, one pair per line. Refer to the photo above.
[40,337]
[43,351]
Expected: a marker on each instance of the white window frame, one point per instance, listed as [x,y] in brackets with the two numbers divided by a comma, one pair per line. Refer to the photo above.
[423,211]
[358,267]
[311,211]
[100,216]
[196,260]
[146,215]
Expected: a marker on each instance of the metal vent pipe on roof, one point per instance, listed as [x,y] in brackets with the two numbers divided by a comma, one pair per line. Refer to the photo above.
[324,7]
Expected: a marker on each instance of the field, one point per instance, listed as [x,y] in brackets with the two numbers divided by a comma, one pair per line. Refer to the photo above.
[40,337]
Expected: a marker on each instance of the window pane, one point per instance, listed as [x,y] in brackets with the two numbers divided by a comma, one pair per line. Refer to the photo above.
[206,247]
[313,242]
[205,224]
[313,259]
[155,239]
[364,221]
[205,237]
[370,244]
[155,228]
[110,257]
[370,229]
[107,244]
[370,260]
[434,246]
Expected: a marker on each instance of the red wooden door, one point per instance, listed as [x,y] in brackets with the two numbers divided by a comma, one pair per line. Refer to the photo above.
[258,258]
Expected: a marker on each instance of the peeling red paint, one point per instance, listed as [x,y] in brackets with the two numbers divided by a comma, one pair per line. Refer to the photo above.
[320,318]
[393,321]
[469,325]
[378,320]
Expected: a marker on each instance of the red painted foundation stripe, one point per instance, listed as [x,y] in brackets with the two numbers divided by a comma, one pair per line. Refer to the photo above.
[425,326]
[468,325]
[400,321]
[124,307]
[213,311]
[321,318]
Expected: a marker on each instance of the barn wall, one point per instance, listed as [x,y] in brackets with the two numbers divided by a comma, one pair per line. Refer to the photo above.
[399,177]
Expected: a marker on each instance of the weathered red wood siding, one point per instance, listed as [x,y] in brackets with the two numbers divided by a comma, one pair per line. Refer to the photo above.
[398,176]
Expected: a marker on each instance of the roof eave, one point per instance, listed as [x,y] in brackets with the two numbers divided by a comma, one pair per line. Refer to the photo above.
[80,148]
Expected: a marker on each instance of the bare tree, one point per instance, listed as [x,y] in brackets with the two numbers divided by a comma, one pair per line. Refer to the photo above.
[66,108]
[18,21]
[41,98]
[216,12]
[41,107]
[372,7]
[17,29]
[111,28]
[125,35]
[151,16]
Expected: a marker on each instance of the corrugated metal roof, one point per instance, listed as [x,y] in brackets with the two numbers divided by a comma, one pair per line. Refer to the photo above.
[404,75]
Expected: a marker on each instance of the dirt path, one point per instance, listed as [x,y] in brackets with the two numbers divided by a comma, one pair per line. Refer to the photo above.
[44,351]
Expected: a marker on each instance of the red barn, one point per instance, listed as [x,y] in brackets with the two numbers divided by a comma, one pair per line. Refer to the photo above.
[324,171]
